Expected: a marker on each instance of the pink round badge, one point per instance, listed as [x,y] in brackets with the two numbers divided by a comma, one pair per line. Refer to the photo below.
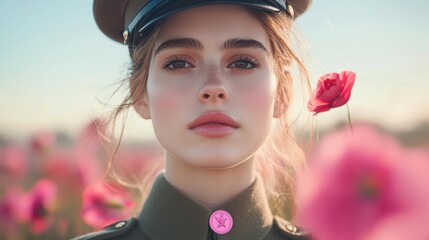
[221,222]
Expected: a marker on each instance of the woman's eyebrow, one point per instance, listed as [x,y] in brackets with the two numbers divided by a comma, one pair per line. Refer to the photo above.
[243,43]
[180,43]
[194,43]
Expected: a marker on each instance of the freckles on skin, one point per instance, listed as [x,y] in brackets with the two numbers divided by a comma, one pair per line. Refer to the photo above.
[259,96]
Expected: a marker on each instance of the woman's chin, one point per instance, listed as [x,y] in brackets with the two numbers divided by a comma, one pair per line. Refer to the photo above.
[216,162]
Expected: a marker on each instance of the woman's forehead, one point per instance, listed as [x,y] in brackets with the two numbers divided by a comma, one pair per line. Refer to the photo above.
[213,24]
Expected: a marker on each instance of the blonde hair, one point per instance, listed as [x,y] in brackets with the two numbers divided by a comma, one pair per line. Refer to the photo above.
[281,157]
[278,159]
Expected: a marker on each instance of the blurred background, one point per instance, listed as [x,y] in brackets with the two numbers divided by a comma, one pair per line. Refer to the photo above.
[58,73]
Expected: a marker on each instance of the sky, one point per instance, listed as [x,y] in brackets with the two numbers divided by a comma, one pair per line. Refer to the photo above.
[57,70]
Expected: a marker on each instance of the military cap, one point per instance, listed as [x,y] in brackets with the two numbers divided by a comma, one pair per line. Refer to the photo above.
[129,20]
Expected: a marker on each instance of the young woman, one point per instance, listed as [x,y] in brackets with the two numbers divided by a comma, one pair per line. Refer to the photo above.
[213,78]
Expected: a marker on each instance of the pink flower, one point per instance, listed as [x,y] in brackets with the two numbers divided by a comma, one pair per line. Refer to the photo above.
[11,208]
[40,205]
[43,141]
[105,203]
[364,186]
[60,166]
[13,163]
[72,168]
[333,90]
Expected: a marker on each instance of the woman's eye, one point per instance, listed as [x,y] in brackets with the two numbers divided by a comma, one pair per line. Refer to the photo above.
[177,64]
[244,63]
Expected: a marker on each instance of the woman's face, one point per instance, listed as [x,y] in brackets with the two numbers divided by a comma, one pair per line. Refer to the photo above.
[216,62]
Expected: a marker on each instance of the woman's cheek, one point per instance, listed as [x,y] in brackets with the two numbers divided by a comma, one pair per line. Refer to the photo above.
[259,98]
[166,103]
[163,105]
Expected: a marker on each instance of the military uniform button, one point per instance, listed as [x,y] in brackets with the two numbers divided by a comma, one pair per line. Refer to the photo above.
[120,225]
[291,228]
[221,222]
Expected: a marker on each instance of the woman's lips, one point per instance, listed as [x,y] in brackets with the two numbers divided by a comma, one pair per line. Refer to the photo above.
[213,124]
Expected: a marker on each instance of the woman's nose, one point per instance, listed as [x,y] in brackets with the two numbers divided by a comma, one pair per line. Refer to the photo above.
[213,89]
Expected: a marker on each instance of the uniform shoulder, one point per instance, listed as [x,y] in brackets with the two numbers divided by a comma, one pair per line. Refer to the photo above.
[289,230]
[113,230]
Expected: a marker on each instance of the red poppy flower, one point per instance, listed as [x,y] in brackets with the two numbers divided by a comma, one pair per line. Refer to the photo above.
[333,90]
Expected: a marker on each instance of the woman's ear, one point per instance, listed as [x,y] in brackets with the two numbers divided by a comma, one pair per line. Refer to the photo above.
[142,107]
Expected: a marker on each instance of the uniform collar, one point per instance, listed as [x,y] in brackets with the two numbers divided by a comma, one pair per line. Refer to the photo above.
[169,214]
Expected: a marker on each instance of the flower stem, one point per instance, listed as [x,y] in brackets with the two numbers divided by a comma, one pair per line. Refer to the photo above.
[317,133]
[350,119]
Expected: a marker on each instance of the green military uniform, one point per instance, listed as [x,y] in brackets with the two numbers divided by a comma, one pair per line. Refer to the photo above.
[168,214]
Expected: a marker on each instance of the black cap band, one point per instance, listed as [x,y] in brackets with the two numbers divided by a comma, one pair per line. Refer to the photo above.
[155,10]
